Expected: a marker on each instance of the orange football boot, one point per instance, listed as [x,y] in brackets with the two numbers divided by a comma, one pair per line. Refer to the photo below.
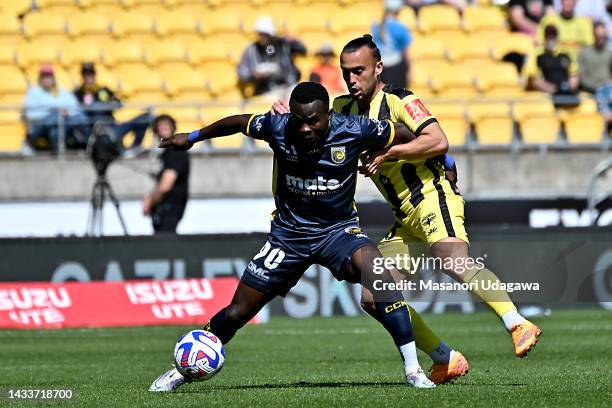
[442,373]
[524,337]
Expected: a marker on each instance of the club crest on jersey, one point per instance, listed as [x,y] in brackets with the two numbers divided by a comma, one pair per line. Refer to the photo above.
[338,154]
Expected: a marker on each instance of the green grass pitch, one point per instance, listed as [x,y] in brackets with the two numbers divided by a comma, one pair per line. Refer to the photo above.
[320,362]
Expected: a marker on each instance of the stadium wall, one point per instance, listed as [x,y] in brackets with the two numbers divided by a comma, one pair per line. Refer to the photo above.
[485,173]
[570,267]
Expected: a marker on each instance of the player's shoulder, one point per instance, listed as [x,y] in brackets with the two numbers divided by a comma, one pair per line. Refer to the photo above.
[342,101]
[401,93]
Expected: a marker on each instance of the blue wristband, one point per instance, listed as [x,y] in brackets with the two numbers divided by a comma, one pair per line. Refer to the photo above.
[449,161]
[193,136]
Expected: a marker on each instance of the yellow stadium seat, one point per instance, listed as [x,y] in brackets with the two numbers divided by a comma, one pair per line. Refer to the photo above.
[181,113]
[313,41]
[492,122]
[453,81]
[584,128]
[499,80]
[178,25]
[203,52]
[164,52]
[61,77]
[10,29]
[15,7]
[141,84]
[122,52]
[232,142]
[212,114]
[13,85]
[12,137]
[92,26]
[461,48]
[30,54]
[221,81]
[407,16]
[132,26]
[489,20]
[186,83]
[57,6]
[301,21]
[349,20]
[512,42]
[108,7]
[46,25]
[439,19]
[7,55]
[424,48]
[537,121]
[451,117]
[74,53]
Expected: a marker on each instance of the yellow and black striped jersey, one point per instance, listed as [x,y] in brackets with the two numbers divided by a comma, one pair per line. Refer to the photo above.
[403,183]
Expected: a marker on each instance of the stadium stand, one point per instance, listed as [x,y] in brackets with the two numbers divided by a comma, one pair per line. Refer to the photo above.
[185,52]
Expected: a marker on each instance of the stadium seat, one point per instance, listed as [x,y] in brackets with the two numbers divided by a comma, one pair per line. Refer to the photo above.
[122,52]
[141,84]
[300,21]
[58,6]
[511,42]
[132,26]
[225,26]
[408,17]
[47,25]
[185,83]
[212,114]
[10,29]
[178,26]
[461,48]
[537,121]
[492,122]
[499,80]
[484,20]
[351,21]
[12,137]
[439,19]
[453,81]
[13,85]
[15,8]
[34,54]
[109,7]
[164,52]
[451,117]
[206,52]
[425,48]
[88,26]
[7,55]
[584,128]
[74,53]
[221,80]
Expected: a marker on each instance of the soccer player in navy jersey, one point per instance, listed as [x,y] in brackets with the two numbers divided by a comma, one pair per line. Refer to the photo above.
[316,156]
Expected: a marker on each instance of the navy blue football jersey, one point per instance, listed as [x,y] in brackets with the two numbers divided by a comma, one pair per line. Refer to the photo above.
[315,190]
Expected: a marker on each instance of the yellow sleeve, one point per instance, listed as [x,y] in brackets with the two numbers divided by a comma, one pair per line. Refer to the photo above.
[573,67]
[587,31]
[339,103]
[410,111]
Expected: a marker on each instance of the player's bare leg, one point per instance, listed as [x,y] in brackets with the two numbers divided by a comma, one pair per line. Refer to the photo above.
[245,304]
[453,251]
[448,364]
[390,309]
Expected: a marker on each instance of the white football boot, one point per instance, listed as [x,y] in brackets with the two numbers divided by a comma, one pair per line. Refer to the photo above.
[418,379]
[169,381]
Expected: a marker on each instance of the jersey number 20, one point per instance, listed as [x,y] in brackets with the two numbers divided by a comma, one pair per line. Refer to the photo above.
[274,256]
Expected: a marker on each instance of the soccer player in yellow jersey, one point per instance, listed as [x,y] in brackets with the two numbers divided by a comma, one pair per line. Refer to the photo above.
[426,206]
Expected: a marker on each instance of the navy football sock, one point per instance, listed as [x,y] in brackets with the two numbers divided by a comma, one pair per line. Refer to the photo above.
[223,328]
[395,318]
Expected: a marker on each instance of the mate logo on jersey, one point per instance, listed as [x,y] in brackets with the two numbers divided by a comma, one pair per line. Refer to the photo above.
[314,186]
[338,154]
[417,110]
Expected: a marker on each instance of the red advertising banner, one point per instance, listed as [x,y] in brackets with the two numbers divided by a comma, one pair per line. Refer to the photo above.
[27,305]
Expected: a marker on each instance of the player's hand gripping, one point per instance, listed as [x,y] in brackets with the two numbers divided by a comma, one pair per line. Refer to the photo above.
[178,141]
[280,107]
[373,162]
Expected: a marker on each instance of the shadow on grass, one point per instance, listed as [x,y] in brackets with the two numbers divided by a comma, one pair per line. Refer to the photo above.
[305,384]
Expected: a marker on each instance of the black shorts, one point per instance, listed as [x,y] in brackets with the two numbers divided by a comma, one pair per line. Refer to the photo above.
[287,254]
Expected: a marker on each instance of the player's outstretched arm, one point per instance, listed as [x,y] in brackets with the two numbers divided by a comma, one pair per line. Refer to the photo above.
[223,127]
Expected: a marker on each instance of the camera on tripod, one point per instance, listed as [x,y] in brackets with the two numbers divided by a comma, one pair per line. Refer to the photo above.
[103,148]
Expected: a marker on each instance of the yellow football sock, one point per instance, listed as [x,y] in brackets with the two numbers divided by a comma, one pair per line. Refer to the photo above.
[425,338]
[498,300]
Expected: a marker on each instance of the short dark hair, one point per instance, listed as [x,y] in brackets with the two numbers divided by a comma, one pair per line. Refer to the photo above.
[308,92]
[162,118]
[365,40]
[598,23]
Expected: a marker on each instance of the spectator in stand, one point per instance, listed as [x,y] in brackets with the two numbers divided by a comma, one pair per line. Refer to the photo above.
[266,63]
[393,39]
[574,32]
[595,10]
[595,64]
[524,15]
[100,102]
[460,5]
[46,105]
[326,72]
[553,71]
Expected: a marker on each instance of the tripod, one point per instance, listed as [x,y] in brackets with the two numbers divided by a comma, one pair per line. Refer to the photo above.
[102,189]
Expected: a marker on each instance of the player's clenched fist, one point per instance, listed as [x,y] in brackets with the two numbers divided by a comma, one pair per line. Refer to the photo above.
[179,141]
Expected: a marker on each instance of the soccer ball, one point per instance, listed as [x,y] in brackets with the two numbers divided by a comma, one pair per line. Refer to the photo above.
[199,355]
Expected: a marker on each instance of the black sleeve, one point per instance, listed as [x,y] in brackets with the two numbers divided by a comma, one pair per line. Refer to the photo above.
[176,160]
